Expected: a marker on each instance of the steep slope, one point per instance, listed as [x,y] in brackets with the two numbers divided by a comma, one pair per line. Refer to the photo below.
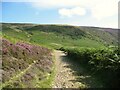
[106,35]
[25,65]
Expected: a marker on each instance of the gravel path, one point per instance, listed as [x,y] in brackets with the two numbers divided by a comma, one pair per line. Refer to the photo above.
[69,74]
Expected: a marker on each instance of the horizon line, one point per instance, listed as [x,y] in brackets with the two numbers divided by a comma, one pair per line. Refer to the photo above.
[58,24]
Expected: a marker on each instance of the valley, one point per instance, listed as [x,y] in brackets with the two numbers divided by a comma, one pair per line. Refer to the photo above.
[59,56]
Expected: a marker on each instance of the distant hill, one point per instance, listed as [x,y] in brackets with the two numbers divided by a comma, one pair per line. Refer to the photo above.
[62,33]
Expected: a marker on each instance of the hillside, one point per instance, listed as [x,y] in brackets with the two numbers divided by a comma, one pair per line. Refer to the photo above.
[89,56]
[60,35]
[25,65]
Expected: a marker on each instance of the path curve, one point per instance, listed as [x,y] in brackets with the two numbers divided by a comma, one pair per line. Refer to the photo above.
[69,74]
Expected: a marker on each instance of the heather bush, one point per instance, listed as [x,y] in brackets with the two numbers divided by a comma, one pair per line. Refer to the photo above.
[18,57]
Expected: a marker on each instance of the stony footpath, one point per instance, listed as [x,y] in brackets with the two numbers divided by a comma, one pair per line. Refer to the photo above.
[70,75]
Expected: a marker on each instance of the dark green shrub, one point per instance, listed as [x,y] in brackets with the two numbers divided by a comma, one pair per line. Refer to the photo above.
[102,62]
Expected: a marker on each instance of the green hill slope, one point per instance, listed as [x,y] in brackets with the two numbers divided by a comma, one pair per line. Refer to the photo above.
[56,36]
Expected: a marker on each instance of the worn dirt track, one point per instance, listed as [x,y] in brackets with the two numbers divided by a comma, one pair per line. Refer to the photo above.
[70,74]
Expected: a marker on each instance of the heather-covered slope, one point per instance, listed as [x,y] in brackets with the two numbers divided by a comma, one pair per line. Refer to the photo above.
[25,65]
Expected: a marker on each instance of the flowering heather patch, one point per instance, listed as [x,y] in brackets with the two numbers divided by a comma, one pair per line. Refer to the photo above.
[24,50]
[18,57]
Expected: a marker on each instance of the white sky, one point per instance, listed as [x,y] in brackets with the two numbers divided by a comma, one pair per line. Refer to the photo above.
[103,12]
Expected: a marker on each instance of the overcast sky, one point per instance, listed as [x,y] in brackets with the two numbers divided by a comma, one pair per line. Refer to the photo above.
[102,13]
